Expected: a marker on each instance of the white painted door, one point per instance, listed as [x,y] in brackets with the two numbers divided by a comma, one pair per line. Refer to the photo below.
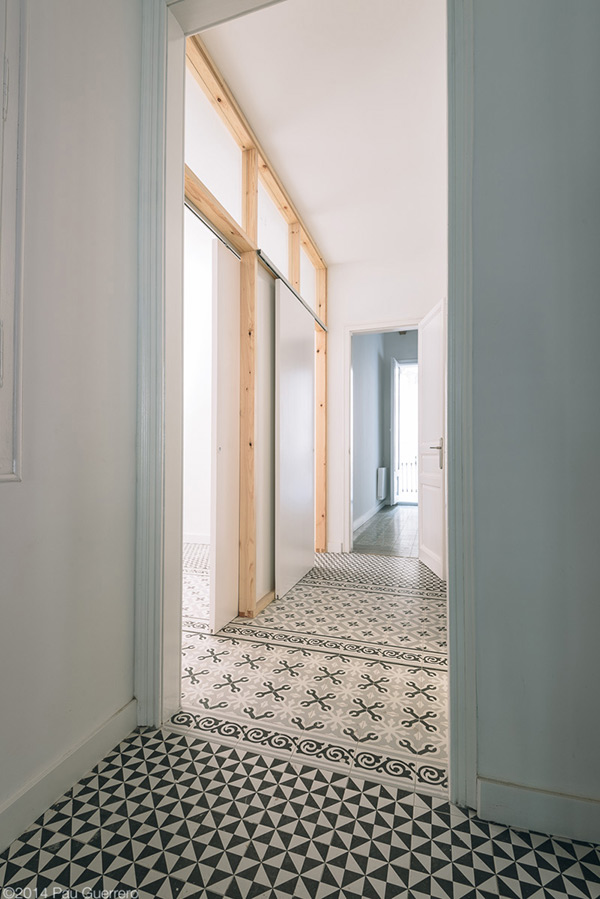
[225,455]
[394,434]
[432,433]
[294,440]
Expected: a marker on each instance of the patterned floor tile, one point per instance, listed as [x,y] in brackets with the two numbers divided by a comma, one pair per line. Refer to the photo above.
[168,815]
[349,679]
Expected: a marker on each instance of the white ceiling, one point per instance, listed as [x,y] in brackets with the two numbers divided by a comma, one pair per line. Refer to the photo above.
[348,98]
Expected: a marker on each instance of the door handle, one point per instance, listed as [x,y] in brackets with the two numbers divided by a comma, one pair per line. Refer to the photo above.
[440,447]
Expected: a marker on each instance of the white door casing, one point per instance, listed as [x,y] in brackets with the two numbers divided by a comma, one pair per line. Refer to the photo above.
[225,455]
[294,439]
[432,440]
[394,443]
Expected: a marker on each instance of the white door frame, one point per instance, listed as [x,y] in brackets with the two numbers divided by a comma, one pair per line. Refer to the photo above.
[349,332]
[160,270]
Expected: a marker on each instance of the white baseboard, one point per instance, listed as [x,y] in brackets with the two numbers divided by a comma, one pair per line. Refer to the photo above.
[364,518]
[22,809]
[196,538]
[552,813]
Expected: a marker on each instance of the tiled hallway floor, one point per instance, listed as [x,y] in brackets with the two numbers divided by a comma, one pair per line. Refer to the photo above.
[166,815]
[170,814]
[393,531]
[348,670]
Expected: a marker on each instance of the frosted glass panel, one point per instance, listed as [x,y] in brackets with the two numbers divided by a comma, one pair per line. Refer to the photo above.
[308,281]
[210,150]
[272,231]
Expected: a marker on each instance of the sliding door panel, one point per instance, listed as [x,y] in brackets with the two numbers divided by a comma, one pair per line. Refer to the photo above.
[294,440]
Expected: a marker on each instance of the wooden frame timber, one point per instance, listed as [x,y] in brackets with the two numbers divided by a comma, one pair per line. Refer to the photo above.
[199,196]
[321,417]
[244,238]
[212,83]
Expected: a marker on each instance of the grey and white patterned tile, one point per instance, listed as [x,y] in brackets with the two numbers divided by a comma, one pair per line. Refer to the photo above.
[342,677]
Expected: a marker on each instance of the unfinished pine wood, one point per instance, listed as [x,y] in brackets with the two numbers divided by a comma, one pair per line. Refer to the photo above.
[321,417]
[199,196]
[248,294]
[250,193]
[212,82]
[310,249]
[322,294]
[294,255]
[260,605]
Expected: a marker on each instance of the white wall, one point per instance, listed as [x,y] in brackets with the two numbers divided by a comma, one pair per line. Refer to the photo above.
[210,150]
[67,531]
[401,288]
[368,430]
[197,389]
[265,435]
[273,232]
[536,371]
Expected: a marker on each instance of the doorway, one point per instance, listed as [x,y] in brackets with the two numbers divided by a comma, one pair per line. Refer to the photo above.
[162,171]
[384,450]
[210,506]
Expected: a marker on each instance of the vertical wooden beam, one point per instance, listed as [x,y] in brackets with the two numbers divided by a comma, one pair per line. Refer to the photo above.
[250,193]
[294,255]
[321,417]
[248,293]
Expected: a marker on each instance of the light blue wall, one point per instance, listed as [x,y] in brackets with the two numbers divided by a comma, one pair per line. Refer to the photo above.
[401,345]
[536,376]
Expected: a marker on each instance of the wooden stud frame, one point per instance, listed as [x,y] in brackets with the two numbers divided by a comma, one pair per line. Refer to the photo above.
[244,239]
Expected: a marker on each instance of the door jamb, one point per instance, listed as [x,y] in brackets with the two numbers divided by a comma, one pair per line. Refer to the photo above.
[461,581]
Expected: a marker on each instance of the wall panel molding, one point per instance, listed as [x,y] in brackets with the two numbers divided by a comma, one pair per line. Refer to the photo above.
[13,50]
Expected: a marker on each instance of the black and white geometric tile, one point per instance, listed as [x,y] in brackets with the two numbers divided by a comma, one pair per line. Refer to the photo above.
[368,572]
[196,557]
[166,815]
[350,679]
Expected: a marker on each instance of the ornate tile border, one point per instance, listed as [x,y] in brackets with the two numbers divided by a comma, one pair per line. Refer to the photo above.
[344,759]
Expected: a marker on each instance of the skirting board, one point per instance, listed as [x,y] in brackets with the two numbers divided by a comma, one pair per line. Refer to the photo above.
[552,813]
[364,518]
[203,539]
[22,809]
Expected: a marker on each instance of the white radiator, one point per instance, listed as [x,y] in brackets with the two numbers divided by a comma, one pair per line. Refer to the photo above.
[381,483]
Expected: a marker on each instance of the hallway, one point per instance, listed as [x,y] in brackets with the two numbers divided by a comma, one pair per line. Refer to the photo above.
[393,531]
